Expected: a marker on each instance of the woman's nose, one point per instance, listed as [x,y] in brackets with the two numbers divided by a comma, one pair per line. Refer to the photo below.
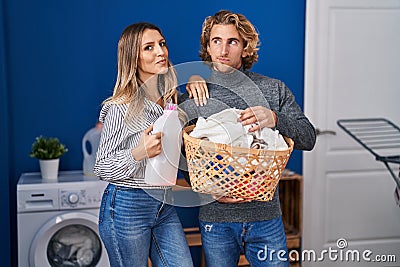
[160,51]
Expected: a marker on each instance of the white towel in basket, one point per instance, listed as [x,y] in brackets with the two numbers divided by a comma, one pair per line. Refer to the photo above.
[273,139]
[224,128]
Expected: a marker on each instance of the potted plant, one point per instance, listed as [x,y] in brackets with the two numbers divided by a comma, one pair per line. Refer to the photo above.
[48,151]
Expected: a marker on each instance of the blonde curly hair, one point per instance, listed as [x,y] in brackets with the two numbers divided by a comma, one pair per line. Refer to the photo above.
[244,27]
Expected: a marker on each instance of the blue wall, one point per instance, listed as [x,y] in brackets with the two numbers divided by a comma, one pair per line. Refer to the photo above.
[5,190]
[58,62]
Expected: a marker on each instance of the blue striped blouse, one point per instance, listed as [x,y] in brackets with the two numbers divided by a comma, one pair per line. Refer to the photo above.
[114,160]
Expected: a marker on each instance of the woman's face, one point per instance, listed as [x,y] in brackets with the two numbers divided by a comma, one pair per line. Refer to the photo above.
[153,55]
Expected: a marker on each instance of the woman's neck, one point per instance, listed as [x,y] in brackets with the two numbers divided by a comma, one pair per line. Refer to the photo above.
[150,86]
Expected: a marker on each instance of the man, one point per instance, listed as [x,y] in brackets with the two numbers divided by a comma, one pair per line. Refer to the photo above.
[228,226]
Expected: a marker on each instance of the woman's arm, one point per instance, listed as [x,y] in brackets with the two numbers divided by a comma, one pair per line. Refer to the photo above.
[115,160]
[197,89]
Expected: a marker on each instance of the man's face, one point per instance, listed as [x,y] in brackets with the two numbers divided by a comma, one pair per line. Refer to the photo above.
[226,47]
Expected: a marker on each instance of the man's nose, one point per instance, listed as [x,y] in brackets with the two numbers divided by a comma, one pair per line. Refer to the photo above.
[225,50]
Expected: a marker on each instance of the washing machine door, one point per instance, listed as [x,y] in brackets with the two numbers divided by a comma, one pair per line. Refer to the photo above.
[69,239]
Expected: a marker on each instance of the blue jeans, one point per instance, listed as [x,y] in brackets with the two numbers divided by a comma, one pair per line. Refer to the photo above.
[134,226]
[263,243]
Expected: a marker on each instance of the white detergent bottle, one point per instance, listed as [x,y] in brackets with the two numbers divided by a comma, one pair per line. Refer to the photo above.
[90,144]
[162,169]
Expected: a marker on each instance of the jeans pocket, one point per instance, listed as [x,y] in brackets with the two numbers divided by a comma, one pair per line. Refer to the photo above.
[103,204]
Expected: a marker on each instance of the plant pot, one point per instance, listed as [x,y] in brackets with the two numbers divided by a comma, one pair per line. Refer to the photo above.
[49,168]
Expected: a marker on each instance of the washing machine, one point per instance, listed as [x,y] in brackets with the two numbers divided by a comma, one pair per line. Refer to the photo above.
[58,221]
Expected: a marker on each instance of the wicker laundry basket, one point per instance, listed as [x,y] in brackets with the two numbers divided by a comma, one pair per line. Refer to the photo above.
[236,172]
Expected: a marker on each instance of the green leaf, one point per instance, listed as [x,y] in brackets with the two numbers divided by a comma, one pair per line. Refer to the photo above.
[47,148]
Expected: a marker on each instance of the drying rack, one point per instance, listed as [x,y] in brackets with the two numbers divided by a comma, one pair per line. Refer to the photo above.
[379,136]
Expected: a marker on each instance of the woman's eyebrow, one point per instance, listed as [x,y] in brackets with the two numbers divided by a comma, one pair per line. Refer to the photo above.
[147,43]
[152,42]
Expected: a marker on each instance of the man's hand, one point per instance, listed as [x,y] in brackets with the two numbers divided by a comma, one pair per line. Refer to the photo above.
[258,115]
[230,200]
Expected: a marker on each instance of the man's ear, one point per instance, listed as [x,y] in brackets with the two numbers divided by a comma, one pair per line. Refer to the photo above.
[208,49]
[244,53]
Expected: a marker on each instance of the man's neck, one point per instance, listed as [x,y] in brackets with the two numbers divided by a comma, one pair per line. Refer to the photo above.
[224,68]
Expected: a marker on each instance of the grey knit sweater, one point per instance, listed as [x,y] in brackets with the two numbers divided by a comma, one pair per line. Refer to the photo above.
[243,89]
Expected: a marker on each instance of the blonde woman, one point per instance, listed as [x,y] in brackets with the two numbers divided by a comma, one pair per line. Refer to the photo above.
[135,220]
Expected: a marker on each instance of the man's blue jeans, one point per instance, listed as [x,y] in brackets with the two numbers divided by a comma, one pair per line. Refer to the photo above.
[263,243]
[135,225]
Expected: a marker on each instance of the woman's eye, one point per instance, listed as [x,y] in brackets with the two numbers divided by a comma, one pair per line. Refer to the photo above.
[148,48]
[162,44]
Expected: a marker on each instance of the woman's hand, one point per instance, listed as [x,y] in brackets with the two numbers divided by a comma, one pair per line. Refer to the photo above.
[149,145]
[197,88]
[260,116]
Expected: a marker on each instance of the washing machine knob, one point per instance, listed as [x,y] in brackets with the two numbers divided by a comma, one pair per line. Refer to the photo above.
[73,198]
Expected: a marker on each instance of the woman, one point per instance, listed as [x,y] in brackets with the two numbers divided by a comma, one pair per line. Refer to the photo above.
[135,220]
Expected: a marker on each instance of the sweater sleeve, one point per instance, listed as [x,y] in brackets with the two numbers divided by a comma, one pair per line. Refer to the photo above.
[114,160]
[292,122]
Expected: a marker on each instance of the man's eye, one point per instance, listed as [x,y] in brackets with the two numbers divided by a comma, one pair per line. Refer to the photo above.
[148,48]
[233,42]
[217,42]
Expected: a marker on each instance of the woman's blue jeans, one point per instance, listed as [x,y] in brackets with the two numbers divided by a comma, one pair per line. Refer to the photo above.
[135,225]
[263,243]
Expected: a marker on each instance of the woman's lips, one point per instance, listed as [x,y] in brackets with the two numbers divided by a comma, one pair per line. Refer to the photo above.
[162,62]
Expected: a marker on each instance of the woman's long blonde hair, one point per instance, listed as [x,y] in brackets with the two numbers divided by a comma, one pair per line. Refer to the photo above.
[127,88]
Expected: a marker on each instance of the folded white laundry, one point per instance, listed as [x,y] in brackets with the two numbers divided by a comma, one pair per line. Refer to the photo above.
[224,128]
[273,139]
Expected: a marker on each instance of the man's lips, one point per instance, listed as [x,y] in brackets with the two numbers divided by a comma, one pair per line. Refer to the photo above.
[223,59]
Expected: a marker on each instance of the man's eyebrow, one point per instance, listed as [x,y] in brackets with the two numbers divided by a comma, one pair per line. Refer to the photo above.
[233,39]
[229,39]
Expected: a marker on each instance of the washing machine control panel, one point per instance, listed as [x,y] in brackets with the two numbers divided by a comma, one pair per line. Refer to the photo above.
[82,198]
